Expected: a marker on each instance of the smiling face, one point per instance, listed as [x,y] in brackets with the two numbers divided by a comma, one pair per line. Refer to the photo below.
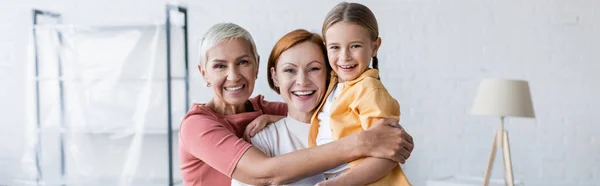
[350,49]
[231,70]
[300,75]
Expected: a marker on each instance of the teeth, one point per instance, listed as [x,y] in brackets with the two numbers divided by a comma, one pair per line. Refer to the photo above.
[233,88]
[347,66]
[304,93]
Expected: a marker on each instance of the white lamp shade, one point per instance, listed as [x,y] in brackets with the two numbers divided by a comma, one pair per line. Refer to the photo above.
[499,97]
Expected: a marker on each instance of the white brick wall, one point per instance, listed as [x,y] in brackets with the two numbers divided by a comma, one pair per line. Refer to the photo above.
[433,55]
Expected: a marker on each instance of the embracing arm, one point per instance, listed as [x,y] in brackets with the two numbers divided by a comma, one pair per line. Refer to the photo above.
[214,144]
[384,140]
[257,168]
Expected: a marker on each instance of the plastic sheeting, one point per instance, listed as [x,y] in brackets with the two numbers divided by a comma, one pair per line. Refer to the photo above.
[108,125]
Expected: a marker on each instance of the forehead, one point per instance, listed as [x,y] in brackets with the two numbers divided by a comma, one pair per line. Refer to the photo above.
[344,31]
[302,54]
[230,49]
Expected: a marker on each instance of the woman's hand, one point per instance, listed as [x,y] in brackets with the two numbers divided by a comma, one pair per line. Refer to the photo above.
[387,139]
[258,124]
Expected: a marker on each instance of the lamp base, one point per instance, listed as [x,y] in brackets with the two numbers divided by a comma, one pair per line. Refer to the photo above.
[500,140]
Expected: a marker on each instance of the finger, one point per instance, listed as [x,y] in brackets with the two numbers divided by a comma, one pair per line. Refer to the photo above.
[406,153]
[386,121]
[402,162]
[409,147]
[392,122]
[400,159]
[248,129]
[408,137]
[388,124]
[396,155]
[405,136]
[402,156]
[255,130]
[246,137]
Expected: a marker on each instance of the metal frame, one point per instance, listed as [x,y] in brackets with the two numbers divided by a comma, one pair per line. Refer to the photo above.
[38,146]
[168,10]
[170,131]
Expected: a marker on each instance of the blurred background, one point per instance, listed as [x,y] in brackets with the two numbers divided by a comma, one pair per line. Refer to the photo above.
[106,123]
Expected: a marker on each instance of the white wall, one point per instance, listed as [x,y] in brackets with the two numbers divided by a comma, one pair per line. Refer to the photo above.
[433,55]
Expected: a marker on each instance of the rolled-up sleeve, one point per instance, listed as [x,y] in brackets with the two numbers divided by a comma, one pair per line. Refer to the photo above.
[273,108]
[209,140]
[377,104]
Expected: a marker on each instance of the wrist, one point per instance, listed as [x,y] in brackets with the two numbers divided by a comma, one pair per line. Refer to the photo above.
[274,118]
[362,148]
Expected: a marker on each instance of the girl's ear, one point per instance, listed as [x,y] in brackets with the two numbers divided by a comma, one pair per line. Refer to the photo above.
[376,46]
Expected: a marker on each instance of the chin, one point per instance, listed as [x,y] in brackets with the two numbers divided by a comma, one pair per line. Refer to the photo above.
[305,107]
[237,100]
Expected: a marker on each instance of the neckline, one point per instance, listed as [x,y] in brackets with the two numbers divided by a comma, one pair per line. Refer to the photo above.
[289,118]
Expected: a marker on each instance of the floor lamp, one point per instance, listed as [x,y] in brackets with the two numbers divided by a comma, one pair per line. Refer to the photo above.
[499,97]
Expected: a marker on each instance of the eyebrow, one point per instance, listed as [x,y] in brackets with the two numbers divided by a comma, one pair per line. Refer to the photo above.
[219,61]
[315,61]
[242,56]
[352,42]
[289,63]
[225,61]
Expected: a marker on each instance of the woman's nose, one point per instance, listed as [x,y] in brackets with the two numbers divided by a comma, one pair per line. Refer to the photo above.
[233,74]
[302,78]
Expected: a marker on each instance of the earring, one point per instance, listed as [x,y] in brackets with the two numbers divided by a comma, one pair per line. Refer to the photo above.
[208,85]
[256,76]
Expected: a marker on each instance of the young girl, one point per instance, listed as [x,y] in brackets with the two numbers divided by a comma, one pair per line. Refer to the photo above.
[355,97]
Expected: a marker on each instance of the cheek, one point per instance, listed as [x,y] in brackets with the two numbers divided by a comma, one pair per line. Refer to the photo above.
[332,60]
[331,56]
[285,82]
[250,73]
[211,76]
[364,56]
[216,78]
[319,80]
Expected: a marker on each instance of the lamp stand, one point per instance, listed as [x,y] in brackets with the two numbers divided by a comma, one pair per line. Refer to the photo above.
[500,140]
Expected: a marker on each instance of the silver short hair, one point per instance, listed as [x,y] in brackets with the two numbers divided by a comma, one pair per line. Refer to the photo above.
[223,32]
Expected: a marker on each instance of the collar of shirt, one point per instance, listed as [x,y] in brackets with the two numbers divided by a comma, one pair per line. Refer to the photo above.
[374,73]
